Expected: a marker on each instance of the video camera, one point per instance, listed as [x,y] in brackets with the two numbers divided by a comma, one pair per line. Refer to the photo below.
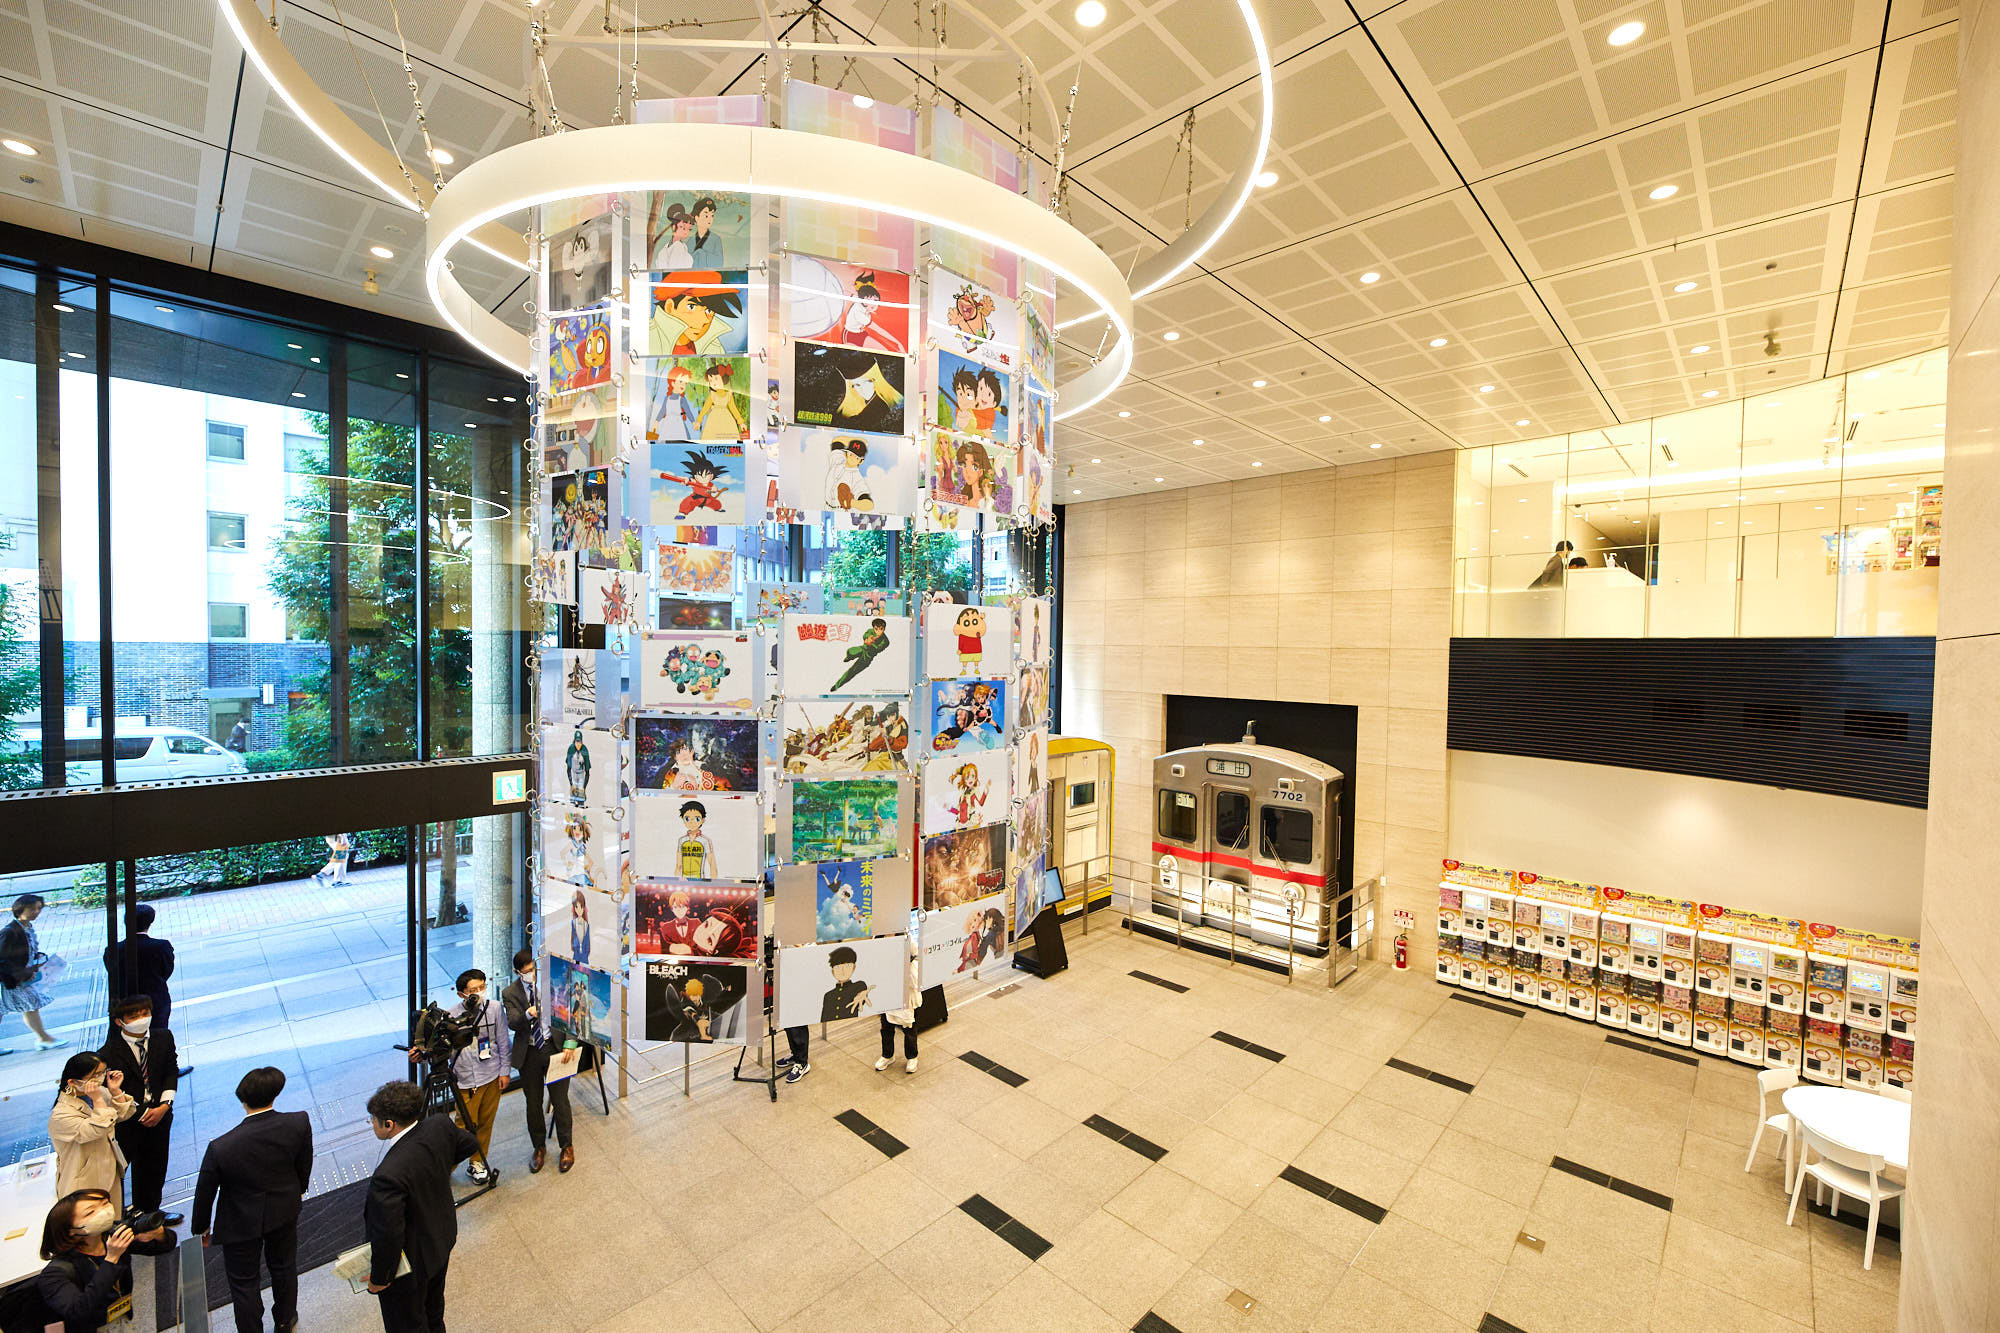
[440,1034]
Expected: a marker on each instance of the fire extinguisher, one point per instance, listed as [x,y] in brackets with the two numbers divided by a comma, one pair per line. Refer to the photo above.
[1402,953]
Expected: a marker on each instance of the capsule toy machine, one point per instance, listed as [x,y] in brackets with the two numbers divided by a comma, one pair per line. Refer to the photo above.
[1500,919]
[1867,997]
[1899,1062]
[1711,964]
[1902,1004]
[1784,1038]
[1555,932]
[1676,1014]
[1471,963]
[1551,990]
[1523,980]
[1648,960]
[1677,956]
[1823,1054]
[1642,1005]
[1500,969]
[1785,981]
[1472,925]
[1749,971]
[1527,926]
[1451,910]
[1580,991]
[1613,999]
[1862,1065]
[1614,944]
[1583,937]
[1447,959]
[1826,989]
[1746,1031]
[1711,1023]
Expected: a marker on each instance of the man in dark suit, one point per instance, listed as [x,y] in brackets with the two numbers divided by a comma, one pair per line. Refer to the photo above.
[262,1168]
[145,1055]
[533,1043]
[148,963]
[410,1213]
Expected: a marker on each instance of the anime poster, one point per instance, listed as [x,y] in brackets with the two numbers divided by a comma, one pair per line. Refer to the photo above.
[608,597]
[957,941]
[844,819]
[703,312]
[579,766]
[1039,353]
[1031,825]
[1025,872]
[845,655]
[1030,763]
[1031,693]
[962,865]
[580,924]
[973,321]
[767,604]
[698,229]
[698,671]
[867,602]
[552,578]
[971,474]
[582,1004]
[697,483]
[699,1003]
[696,569]
[576,687]
[827,736]
[850,305]
[579,351]
[968,715]
[973,399]
[580,845]
[580,265]
[829,901]
[698,398]
[841,472]
[967,640]
[582,430]
[579,509]
[1035,643]
[694,613]
[685,754]
[962,791]
[709,836]
[824,983]
[1037,420]
[1031,487]
[696,920]
[848,388]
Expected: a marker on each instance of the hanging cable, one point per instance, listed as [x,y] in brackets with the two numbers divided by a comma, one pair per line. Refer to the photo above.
[423,125]
[416,192]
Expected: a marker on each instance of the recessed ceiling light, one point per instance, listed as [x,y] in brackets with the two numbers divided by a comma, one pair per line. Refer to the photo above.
[1090,13]
[1267,179]
[1684,286]
[1486,388]
[404,374]
[1698,349]
[1199,443]
[1779,491]
[1097,460]
[489,397]
[1076,492]
[1625,33]
[1370,277]
[164,309]
[16,146]
[1171,336]
[381,252]
[1376,445]
[1819,506]
[1159,479]
[472,425]
[313,359]
[1522,422]
[1663,191]
[77,356]
[1258,384]
[1870,374]
[1256,465]
[1937,425]
[1124,414]
[506,397]
[296,347]
[1709,393]
[441,156]
[1439,342]
[297,394]
[863,102]
[65,309]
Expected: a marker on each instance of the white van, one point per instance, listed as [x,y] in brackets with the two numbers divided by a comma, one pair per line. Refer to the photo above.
[144,754]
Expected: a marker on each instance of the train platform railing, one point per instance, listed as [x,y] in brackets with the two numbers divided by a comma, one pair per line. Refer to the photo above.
[1247,924]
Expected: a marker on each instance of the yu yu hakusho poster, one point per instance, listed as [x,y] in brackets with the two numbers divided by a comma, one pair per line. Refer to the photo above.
[696,920]
[829,736]
[968,715]
[699,313]
[845,655]
[697,483]
[579,351]
[845,819]
[848,388]
[696,569]
[961,865]
[699,398]
[695,753]
[706,835]
[973,399]
[697,671]
[697,1002]
[850,305]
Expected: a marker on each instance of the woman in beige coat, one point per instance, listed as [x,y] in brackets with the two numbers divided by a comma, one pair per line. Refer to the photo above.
[89,1105]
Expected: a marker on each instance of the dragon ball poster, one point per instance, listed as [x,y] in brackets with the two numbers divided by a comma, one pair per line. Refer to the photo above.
[697,483]
[694,754]
[703,672]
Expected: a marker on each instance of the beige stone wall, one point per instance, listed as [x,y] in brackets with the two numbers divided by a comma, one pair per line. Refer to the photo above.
[1330,586]
[1950,1281]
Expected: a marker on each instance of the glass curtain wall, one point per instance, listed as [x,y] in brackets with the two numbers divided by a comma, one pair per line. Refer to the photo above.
[1817,510]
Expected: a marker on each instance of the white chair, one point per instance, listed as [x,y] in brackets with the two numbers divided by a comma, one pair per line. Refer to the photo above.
[1845,1171]
[1771,1081]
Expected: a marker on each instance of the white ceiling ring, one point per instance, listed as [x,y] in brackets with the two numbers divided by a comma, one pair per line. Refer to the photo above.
[759,160]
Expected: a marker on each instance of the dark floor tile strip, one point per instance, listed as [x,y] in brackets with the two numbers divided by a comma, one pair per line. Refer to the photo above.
[1506,1009]
[856,1121]
[1646,1048]
[1240,1044]
[975,1059]
[1493,1323]
[1661,1201]
[1408,1068]
[985,1212]
[1117,1133]
[1334,1194]
[1431,1075]
[1173,986]
[1004,1225]
[1152,1323]
[888,1143]
[993,1067]
[1858,1220]
[1582,1172]
[1024,1239]
[870,1132]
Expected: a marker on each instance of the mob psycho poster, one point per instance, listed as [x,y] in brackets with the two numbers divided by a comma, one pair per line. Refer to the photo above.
[845,655]
[824,983]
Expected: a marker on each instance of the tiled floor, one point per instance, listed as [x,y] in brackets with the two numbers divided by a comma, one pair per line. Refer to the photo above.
[1106,1162]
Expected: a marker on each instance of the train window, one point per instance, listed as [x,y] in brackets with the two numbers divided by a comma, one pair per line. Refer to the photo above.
[1232,819]
[1082,794]
[1176,815]
[1286,835]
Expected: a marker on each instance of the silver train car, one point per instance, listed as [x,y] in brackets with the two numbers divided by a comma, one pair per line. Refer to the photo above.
[1252,815]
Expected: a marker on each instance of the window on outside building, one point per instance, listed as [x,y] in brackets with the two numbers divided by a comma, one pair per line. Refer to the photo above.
[225,442]
[228,620]
[225,532]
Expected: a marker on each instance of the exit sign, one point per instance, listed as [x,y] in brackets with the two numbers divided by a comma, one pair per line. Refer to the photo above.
[510,787]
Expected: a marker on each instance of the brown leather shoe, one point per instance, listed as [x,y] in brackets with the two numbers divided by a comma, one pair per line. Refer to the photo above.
[568,1159]
[541,1157]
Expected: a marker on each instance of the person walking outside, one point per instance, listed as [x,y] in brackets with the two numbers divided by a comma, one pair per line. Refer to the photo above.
[26,972]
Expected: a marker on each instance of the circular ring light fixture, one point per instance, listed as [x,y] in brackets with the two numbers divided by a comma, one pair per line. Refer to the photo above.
[755,159]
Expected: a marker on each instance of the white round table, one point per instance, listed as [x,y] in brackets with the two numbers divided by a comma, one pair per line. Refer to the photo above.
[1862,1121]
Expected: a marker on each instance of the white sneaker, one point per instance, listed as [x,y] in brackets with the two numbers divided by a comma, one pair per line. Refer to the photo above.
[882,1064]
[910,1065]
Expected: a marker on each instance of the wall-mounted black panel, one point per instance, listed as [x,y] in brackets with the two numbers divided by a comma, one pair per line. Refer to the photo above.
[1850,717]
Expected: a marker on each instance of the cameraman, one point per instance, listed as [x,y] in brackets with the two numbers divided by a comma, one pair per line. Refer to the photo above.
[480,1067]
[88,1281]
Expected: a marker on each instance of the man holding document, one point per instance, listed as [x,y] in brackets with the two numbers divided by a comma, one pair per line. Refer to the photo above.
[540,1062]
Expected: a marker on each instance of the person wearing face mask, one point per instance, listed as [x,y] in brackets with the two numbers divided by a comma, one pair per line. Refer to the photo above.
[409,1216]
[88,1281]
[90,1103]
[534,1043]
[144,1055]
[480,1070]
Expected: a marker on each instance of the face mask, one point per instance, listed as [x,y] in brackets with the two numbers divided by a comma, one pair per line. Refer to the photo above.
[138,1027]
[97,1223]
[86,1089]
[529,976]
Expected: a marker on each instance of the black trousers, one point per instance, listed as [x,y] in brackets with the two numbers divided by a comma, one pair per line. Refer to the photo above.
[278,1248]
[889,1031]
[534,1075]
[145,1149]
[800,1040]
[414,1302]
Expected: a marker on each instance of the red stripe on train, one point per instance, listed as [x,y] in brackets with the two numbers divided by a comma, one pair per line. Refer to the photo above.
[1241,863]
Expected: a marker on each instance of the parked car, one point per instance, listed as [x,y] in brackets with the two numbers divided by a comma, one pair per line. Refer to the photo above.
[143,754]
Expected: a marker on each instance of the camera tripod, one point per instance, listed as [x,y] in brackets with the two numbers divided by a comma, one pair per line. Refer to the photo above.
[443,1096]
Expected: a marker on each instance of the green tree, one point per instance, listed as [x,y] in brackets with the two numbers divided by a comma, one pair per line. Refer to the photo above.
[20,679]
[925,560]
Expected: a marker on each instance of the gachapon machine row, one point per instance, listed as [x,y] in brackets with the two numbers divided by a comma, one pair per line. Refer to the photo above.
[1902,1004]
[1823,1051]
[1642,1007]
[1500,968]
[1826,990]
[1647,959]
[1614,944]
[1551,989]
[1746,1031]
[1500,919]
[1899,1062]
[1868,997]
[1527,926]
[1711,964]
[1863,1065]
[1784,1039]
[1472,922]
[1471,963]
[1711,1023]
[1447,959]
[1677,956]
[1555,932]
[1580,991]
[1583,937]
[1526,973]
[1749,964]
[1613,999]
[1676,1014]
[1785,987]
[1451,910]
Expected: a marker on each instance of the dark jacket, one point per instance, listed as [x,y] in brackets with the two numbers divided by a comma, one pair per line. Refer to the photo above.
[163,1070]
[14,954]
[262,1168]
[148,963]
[78,1288]
[520,1032]
[409,1209]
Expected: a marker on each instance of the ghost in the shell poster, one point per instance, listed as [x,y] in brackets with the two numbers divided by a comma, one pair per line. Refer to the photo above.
[848,388]
[579,351]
